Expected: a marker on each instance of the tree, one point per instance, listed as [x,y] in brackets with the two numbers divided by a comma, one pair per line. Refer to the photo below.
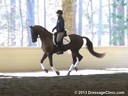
[44,13]
[121,32]
[37,11]
[127,22]
[114,23]
[91,20]
[21,21]
[75,8]
[12,21]
[7,18]
[90,17]
[80,17]
[100,23]
[30,19]
[118,22]
[109,22]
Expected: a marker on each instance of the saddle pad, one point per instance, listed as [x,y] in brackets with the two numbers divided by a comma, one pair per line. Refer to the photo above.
[66,40]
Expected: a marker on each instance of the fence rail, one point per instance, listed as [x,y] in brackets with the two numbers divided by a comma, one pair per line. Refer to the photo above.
[28,59]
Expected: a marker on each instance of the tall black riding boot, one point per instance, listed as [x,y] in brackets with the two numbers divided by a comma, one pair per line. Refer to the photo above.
[60,51]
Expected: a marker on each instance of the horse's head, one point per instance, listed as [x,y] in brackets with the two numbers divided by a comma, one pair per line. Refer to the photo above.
[34,34]
[40,31]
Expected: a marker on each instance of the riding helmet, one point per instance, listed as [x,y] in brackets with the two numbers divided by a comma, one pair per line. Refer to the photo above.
[59,12]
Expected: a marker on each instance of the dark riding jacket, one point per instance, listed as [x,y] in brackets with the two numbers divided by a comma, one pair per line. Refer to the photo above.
[60,25]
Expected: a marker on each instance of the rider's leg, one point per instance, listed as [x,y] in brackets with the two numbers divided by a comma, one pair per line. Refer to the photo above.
[55,40]
[59,41]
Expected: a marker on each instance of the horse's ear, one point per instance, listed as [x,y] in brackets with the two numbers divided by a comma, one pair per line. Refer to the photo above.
[30,26]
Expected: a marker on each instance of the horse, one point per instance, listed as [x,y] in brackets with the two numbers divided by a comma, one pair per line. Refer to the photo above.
[50,48]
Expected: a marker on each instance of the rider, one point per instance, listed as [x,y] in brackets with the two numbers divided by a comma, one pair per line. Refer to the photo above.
[60,31]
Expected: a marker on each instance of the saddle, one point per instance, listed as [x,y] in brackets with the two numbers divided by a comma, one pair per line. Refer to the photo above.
[66,40]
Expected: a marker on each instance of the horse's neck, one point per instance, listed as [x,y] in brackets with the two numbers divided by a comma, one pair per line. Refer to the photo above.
[44,36]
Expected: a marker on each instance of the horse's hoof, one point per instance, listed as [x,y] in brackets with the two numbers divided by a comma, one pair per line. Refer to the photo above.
[68,74]
[46,70]
[76,69]
[58,73]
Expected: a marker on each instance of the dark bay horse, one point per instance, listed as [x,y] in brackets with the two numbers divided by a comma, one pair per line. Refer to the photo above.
[49,48]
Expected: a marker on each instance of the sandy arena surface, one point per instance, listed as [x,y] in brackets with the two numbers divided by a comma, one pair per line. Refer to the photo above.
[65,85]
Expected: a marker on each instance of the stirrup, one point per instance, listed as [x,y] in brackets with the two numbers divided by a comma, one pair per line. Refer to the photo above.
[59,52]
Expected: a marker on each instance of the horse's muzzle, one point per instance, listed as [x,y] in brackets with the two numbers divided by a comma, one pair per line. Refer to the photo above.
[34,41]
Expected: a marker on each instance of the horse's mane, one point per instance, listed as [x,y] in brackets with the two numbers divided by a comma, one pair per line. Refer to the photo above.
[40,27]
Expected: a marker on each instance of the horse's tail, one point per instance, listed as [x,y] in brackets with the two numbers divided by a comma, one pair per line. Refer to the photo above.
[90,49]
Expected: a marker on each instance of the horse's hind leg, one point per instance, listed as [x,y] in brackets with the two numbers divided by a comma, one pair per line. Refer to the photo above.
[74,61]
[79,58]
[42,60]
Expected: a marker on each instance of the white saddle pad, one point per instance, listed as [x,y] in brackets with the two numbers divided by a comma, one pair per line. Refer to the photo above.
[66,40]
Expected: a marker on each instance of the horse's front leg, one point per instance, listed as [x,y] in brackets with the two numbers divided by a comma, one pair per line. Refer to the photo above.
[51,64]
[42,60]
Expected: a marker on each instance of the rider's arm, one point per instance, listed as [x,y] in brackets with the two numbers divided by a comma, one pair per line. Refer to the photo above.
[53,29]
